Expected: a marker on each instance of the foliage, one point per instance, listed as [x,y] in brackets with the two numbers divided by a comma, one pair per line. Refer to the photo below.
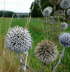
[35,12]
[6,13]
[9,59]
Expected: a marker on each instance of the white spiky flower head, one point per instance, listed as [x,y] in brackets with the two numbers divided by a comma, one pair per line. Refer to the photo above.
[47,11]
[46,51]
[18,39]
[64,39]
[68,12]
[65,4]
[64,25]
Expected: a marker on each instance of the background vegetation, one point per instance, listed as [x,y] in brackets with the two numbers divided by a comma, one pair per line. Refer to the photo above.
[9,61]
[39,30]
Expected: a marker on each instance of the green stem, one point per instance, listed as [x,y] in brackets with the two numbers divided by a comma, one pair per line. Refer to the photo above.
[59,61]
[54,9]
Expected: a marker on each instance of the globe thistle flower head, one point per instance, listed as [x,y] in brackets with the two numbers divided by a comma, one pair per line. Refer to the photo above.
[46,51]
[47,11]
[18,39]
[68,12]
[64,4]
[64,39]
[52,20]
[64,25]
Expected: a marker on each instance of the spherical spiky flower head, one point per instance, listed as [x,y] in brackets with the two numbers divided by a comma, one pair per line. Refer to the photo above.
[59,13]
[68,12]
[47,11]
[46,51]
[64,4]
[64,25]
[64,39]
[54,2]
[18,39]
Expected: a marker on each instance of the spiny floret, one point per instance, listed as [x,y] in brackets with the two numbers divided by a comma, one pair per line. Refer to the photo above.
[46,51]
[64,39]
[18,39]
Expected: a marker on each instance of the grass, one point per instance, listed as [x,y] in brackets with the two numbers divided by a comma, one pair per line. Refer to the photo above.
[9,61]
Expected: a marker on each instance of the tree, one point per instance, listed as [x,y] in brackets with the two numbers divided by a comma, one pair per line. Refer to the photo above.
[35,10]
[6,13]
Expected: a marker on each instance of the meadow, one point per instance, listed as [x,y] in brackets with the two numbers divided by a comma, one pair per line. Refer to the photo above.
[9,61]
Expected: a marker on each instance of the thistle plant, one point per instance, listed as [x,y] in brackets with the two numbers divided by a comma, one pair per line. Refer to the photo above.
[64,25]
[46,51]
[64,39]
[64,5]
[53,27]
[18,39]
[47,11]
